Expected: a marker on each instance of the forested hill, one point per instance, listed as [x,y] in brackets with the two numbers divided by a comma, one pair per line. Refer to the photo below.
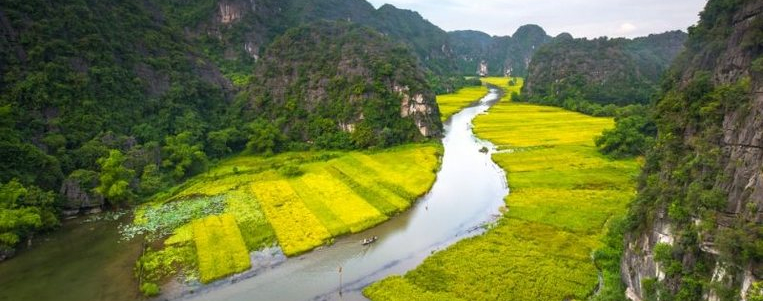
[605,71]
[695,229]
[503,54]
[108,102]
[237,32]
[328,72]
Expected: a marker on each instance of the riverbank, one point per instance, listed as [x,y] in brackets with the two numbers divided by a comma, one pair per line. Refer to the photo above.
[563,193]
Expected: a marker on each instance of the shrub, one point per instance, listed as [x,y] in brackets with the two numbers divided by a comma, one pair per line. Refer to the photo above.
[149,289]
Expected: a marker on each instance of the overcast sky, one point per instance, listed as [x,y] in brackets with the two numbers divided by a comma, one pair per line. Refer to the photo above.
[581,18]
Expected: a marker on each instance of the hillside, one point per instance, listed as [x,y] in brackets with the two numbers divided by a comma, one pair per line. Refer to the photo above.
[695,227]
[503,54]
[339,85]
[236,33]
[604,71]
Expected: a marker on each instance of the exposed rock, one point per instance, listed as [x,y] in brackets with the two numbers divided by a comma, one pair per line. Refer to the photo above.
[77,189]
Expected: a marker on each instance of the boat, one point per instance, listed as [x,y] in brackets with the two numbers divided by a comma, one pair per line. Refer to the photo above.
[368,241]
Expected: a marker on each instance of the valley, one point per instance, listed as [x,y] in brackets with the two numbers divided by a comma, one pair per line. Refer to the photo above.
[355,150]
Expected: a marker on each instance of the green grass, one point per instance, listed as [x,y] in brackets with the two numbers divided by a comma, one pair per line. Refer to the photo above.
[563,193]
[336,193]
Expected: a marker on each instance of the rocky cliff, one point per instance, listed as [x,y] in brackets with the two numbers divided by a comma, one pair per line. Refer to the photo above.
[329,80]
[503,54]
[602,70]
[696,226]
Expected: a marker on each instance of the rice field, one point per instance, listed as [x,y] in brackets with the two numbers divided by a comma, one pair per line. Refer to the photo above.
[453,103]
[220,248]
[563,193]
[336,193]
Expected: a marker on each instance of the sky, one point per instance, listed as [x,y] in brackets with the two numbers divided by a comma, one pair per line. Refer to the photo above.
[581,18]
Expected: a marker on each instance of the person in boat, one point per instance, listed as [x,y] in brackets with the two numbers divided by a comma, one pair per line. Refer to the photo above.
[370,240]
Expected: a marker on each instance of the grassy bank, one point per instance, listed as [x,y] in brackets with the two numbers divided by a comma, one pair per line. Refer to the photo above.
[563,194]
[298,200]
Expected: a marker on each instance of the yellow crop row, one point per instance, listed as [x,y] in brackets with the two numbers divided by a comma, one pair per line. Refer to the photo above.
[350,208]
[297,229]
[220,249]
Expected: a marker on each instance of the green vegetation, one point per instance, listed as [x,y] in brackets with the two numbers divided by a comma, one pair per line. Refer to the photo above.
[501,53]
[698,170]
[601,71]
[564,201]
[340,87]
[109,103]
[23,211]
[248,202]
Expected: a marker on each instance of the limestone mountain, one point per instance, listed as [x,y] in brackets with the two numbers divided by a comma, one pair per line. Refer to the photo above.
[503,54]
[237,32]
[619,71]
[332,83]
[695,229]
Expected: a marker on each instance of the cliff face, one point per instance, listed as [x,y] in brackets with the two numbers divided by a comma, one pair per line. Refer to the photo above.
[344,80]
[602,70]
[696,224]
[503,55]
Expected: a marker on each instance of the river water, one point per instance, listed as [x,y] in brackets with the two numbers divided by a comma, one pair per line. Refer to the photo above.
[87,262]
[467,194]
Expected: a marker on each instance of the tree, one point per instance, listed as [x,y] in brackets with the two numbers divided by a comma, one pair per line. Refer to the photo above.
[184,155]
[150,180]
[264,137]
[24,210]
[632,136]
[115,178]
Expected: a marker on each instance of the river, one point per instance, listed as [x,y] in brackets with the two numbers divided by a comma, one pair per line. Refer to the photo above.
[87,262]
[467,194]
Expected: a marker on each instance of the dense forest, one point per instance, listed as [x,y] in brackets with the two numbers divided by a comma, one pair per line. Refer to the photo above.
[602,71]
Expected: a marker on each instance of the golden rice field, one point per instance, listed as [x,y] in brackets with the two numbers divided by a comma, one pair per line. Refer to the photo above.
[453,103]
[563,194]
[220,248]
[334,193]
[503,84]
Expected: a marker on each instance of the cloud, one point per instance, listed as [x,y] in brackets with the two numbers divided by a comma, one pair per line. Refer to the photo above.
[626,28]
[581,18]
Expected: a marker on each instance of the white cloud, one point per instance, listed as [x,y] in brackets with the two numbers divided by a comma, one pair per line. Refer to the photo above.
[626,28]
[581,18]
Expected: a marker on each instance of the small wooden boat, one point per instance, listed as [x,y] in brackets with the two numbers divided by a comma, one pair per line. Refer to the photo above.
[368,241]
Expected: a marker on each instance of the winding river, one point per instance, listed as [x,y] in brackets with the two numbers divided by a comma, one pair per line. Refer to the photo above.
[467,194]
[85,262]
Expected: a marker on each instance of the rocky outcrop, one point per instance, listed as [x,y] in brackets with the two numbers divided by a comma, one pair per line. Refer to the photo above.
[713,217]
[507,55]
[77,191]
